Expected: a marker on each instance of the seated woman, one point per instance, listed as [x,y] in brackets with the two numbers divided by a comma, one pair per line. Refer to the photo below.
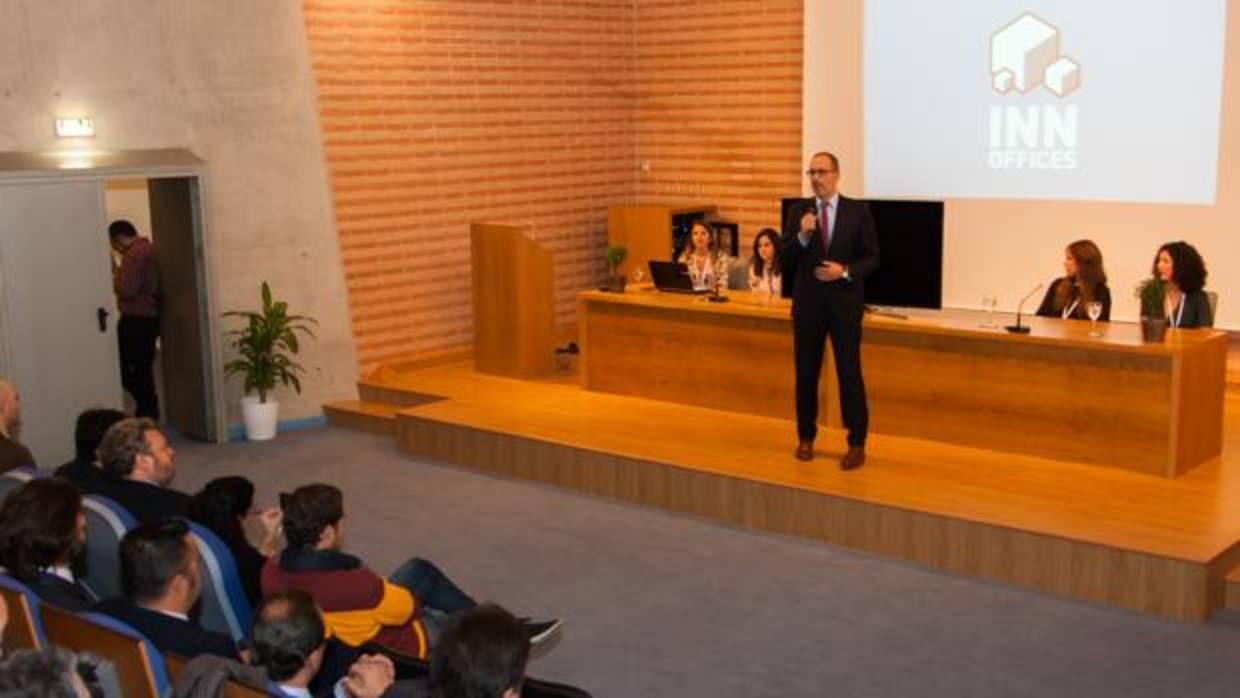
[708,265]
[222,506]
[764,266]
[1083,282]
[1184,271]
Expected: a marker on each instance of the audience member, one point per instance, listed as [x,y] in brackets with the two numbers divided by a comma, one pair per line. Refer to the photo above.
[12,453]
[222,506]
[47,673]
[765,268]
[708,265]
[84,470]
[288,640]
[141,463]
[482,654]
[358,605]
[1083,282]
[1182,269]
[161,578]
[42,533]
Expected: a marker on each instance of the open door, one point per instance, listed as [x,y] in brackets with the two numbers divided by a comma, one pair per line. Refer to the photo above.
[57,308]
[185,348]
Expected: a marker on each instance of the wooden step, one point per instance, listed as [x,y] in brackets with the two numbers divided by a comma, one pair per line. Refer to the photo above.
[1233,589]
[362,415]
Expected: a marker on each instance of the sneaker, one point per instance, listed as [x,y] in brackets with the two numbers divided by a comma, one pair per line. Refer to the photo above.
[541,630]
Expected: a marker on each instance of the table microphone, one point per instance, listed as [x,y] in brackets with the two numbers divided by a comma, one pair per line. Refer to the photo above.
[1018,328]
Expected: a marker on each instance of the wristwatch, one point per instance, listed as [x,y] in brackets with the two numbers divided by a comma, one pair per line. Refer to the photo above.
[845,274]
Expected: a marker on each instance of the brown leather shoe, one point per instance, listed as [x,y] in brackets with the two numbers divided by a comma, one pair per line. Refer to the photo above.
[854,459]
[805,450]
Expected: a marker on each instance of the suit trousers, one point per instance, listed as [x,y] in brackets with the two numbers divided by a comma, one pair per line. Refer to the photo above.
[838,319]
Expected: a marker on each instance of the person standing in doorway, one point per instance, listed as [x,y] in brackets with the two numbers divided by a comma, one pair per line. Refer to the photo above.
[136,285]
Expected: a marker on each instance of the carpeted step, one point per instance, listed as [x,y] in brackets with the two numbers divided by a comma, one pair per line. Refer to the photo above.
[360,415]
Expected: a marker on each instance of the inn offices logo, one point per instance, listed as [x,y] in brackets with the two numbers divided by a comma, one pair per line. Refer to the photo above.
[1033,134]
[1025,54]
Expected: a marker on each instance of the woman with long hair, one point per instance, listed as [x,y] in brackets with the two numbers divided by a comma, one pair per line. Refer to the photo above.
[1084,282]
[708,265]
[1181,268]
[223,506]
[764,265]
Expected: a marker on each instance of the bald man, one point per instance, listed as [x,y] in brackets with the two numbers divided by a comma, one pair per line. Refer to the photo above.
[12,453]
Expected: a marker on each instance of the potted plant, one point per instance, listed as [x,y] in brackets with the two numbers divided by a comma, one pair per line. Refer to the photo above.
[615,256]
[1152,292]
[264,347]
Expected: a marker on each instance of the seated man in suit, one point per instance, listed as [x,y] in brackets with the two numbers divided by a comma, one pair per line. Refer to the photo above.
[42,533]
[141,465]
[12,453]
[358,605]
[84,470]
[161,577]
[483,652]
[288,640]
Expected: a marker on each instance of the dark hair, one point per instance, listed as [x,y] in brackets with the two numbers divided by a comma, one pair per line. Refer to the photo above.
[1090,276]
[1188,269]
[121,228]
[221,505]
[482,653]
[122,443]
[151,556]
[38,526]
[46,673]
[835,162]
[287,629]
[90,428]
[309,510]
[755,262]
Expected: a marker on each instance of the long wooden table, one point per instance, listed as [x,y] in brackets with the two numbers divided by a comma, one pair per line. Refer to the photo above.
[1114,400]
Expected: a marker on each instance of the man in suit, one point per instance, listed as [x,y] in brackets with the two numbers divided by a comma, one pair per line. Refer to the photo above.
[42,533]
[141,466]
[827,252]
[161,577]
[84,470]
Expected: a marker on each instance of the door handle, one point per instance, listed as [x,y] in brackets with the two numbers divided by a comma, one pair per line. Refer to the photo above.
[102,316]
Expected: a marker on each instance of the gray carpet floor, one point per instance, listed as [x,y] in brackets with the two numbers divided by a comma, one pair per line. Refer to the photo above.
[657,604]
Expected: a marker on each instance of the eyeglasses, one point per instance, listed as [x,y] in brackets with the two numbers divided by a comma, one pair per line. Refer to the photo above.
[818,173]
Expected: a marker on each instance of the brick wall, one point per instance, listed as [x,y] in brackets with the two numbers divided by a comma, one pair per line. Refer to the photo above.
[718,99]
[537,112]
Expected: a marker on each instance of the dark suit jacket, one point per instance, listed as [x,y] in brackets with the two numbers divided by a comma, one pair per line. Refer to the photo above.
[147,502]
[169,634]
[854,243]
[60,593]
[1196,310]
[89,478]
[13,454]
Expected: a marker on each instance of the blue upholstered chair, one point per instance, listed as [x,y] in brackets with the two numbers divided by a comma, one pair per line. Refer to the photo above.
[106,523]
[223,606]
[16,477]
[25,629]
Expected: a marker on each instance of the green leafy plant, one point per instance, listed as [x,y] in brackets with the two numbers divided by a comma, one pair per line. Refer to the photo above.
[265,346]
[1151,292]
[615,256]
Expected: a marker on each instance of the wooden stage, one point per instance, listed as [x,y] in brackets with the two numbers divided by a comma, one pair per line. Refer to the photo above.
[1157,545]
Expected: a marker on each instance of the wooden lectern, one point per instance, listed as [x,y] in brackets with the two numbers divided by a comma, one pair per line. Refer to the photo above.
[514,302]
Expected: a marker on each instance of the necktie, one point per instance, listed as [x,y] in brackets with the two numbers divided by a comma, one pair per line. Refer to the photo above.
[824,223]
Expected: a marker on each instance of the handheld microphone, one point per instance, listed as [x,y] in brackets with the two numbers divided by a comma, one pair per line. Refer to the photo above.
[1018,328]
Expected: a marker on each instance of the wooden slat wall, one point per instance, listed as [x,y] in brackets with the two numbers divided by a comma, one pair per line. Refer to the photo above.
[718,88]
[436,114]
[537,112]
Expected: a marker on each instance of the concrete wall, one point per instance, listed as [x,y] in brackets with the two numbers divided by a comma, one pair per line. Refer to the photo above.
[229,80]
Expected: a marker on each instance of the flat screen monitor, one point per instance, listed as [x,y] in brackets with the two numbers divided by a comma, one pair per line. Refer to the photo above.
[910,243]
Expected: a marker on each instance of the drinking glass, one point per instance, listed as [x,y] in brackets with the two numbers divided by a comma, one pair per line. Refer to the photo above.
[638,274]
[1094,308]
[989,303]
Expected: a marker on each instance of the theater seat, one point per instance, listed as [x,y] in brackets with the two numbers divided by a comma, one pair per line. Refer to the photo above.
[25,630]
[106,523]
[223,606]
[140,668]
[16,477]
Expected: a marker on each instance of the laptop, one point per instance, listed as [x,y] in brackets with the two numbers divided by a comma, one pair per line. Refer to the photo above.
[672,277]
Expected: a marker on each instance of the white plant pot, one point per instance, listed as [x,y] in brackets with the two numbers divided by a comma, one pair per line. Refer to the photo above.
[260,418]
